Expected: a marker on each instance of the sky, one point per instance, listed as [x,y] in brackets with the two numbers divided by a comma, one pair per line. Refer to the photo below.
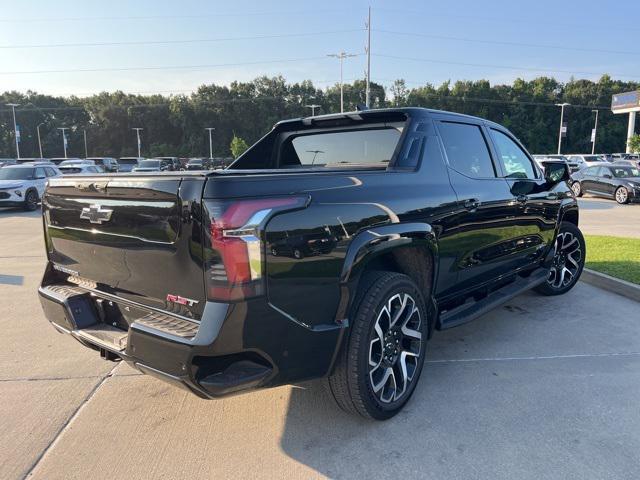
[172,47]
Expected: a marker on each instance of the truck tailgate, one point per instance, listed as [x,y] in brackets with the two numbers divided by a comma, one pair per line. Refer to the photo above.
[134,237]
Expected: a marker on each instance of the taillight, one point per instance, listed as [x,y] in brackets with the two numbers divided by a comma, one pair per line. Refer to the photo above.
[234,254]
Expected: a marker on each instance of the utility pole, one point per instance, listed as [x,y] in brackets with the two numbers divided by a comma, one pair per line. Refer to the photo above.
[210,142]
[138,129]
[64,139]
[86,152]
[16,132]
[563,129]
[341,56]
[39,141]
[313,108]
[368,50]
[593,135]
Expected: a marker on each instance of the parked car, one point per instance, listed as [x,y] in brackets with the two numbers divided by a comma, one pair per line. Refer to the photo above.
[23,185]
[80,169]
[7,161]
[32,160]
[574,165]
[109,164]
[619,181]
[584,160]
[173,163]
[127,164]
[431,220]
[59,160]
[197,164]
[75,161]
[154,165]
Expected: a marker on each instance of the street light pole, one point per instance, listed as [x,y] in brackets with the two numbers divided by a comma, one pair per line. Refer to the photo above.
[561,105]
[138,129]
[39,141]
[313,109]
[368,89]
[595,132]
[341,56]
[86,151]
[210,129]
[15,127]
[64,139]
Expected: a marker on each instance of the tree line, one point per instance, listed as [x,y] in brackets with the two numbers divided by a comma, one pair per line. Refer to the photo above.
[175,124]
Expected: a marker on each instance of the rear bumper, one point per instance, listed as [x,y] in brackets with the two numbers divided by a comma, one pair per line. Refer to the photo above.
[233,349]
[167,352]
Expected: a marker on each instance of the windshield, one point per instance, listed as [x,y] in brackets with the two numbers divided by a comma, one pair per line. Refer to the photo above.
[625,172]
[8,173]
[149,164]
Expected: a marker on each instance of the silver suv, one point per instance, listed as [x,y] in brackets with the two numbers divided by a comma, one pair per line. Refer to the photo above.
[23,185]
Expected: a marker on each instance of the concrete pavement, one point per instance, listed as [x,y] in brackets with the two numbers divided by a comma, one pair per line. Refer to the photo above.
[540,388]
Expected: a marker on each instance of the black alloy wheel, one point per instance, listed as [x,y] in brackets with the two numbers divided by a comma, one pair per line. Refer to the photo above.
[568,261]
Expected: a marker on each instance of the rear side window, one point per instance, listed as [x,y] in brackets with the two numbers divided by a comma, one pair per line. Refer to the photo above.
[515,162]
[467,149]
[360,147]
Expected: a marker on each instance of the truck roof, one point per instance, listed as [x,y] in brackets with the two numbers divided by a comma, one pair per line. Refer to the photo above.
[409,111]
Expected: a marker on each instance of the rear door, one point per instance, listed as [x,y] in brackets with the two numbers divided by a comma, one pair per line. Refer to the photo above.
[137,238]
[484,243]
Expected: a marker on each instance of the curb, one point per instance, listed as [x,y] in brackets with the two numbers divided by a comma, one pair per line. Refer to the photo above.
[611,284]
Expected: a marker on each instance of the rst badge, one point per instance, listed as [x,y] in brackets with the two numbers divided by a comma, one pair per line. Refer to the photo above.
[96,214]
[181,300]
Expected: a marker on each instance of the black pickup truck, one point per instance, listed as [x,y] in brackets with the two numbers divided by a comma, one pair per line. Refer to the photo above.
[332,249]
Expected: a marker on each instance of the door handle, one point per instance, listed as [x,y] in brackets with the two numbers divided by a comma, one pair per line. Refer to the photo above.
[471,203]
[522,198]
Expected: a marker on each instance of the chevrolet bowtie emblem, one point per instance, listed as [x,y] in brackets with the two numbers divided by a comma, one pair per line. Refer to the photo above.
[96,214]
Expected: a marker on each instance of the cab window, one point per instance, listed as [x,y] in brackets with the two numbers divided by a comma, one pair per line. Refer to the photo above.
[515,163]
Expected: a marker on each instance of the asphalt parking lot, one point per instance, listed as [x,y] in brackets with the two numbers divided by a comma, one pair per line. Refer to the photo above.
[541,388]
[600,216]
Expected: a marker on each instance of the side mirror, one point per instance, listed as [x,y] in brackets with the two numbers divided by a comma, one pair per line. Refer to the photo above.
[40,177]
[606,175]
[556,172]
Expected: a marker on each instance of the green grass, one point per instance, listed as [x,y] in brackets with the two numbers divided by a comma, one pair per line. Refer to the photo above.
[615,256]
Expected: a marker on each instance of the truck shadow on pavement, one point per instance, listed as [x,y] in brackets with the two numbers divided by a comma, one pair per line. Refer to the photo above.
[505,396]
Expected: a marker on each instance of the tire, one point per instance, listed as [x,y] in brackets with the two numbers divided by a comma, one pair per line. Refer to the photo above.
[576,188]
[31,200]
[568,261]
[359,386]
[297,254]
[622,195]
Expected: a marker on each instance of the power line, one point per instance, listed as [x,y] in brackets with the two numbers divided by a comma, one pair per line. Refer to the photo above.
[508,67]
[500,42]
[169,17]
[177,42]
[164,67]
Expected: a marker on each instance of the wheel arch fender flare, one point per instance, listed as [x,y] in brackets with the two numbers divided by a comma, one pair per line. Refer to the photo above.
[370,244]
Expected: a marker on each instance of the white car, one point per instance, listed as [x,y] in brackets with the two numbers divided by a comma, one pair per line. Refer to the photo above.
[80,169]
[23,185]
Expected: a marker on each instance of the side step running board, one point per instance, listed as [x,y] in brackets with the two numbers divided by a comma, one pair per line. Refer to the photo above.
[472,310]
